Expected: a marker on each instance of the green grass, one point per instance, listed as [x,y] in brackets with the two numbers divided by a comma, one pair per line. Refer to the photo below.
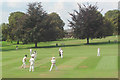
[80,60]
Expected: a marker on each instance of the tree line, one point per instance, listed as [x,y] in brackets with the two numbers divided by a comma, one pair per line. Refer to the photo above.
[88,22]
[37,25]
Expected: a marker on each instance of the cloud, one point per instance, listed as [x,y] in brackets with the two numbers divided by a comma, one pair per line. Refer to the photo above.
[5,18]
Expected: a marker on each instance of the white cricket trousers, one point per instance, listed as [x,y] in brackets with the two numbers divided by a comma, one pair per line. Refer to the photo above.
[31,68]
[24,65]
[52,66]
[98,54]
[61,55]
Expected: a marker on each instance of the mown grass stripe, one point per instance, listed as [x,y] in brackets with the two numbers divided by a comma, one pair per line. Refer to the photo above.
[46,66]
[108,63]
[70,64]
[89,63]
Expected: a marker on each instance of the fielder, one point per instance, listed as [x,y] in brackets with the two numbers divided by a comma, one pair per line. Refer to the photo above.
[31,64]
[16,47]
[34,54]
[30,51]
[98,54]
[53,63]
[61,52]
[24,62]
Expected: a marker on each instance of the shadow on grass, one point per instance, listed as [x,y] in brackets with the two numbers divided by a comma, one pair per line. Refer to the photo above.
[95,43]
[103,43]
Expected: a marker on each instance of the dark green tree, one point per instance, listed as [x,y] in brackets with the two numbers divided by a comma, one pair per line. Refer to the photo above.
[87,22]
[5,32]
[33,26]
[15,32]
[54,27]
[112,16]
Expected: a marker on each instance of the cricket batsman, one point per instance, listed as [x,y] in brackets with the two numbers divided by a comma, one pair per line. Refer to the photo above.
[31,64]
[53,61]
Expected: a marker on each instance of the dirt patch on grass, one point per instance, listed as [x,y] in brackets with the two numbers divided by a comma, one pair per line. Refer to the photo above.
[43,74]
[27,66]
[66,66]
[83,67]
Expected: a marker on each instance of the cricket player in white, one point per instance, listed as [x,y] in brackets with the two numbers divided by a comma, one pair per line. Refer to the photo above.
[24,62]
[53,63]
[31,64]
[30,52]
[98,54]
[34,54]
[61,52]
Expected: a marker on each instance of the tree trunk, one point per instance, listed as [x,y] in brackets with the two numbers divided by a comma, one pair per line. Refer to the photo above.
[18,42]
[87,40]
[35,44]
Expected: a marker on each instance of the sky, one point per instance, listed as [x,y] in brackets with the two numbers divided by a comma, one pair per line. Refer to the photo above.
[61,7]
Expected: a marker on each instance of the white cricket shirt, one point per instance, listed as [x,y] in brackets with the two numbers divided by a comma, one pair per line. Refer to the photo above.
[24,59]
[53,61]
[33,55]
[61,51]
[31,61]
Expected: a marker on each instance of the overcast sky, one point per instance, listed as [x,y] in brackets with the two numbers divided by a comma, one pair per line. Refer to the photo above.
[62,7]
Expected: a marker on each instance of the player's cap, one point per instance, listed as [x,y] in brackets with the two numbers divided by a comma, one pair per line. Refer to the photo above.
[53,57]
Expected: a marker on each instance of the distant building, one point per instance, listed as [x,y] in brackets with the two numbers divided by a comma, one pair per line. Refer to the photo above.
[69,33]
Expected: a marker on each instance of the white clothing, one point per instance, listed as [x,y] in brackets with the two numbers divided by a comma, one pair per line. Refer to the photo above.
[59,49]
[24,59]
[53,61]
[31,64]
[33,55]
[24,64]
[98,54]
[30,51]
[31,61]
[53,64]
[31,68]
[61,52]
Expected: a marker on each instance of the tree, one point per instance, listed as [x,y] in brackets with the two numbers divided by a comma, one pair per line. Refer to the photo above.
[112,16]
[54,27]
[15,30]
[107,28]
[5,32]
[33,26]
[87,22]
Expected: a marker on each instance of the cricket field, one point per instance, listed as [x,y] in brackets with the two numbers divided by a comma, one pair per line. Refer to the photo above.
[79,59]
